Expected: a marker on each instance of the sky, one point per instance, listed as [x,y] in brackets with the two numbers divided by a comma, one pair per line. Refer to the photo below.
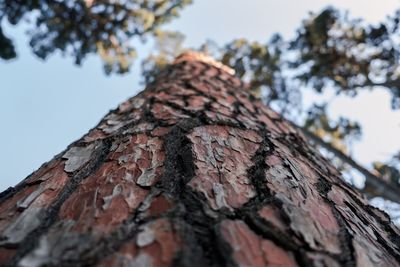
[44,106]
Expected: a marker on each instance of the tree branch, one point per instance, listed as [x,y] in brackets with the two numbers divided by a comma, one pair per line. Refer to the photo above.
[388,83]
[380,186]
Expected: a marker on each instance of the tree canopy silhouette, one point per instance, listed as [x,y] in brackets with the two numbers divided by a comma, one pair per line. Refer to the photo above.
[83,27]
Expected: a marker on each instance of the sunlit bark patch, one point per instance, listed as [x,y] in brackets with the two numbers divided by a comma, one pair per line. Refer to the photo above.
[222,157]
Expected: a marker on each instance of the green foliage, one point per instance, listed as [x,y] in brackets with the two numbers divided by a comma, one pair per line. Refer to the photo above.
[261,65]
[7,50]
[387,172]
[254,62]
[337,133]
[390,172]
[348,55]
[168,46]
[82,27]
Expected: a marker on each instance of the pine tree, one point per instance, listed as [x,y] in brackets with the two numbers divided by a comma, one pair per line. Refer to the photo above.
[193,171]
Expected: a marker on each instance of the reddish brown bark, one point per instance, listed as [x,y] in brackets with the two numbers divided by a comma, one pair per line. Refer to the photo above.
[193,171]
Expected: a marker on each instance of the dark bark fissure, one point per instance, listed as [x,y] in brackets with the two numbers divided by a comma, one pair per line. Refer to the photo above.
[256,173]
[179,166]
[324,187]
[248,213]
[265,229]
[386,225]
[347,257]
[114,241]
[51,214]
[204,248]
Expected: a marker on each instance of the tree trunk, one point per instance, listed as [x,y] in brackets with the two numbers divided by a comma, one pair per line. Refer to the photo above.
[193,171]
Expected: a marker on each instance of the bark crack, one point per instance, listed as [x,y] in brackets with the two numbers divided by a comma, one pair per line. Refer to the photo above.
[51,214]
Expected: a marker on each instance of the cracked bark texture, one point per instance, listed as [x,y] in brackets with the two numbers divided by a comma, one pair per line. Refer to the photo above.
[193,171]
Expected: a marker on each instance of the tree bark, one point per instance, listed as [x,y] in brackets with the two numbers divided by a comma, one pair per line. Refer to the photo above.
[193,171]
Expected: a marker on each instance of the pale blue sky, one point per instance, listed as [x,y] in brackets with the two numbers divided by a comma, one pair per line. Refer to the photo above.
[44,106]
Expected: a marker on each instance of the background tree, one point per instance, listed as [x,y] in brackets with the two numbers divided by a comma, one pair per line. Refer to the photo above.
[79,28]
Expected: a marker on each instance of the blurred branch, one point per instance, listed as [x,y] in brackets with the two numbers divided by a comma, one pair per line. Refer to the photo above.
[380,186]
[388,83]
